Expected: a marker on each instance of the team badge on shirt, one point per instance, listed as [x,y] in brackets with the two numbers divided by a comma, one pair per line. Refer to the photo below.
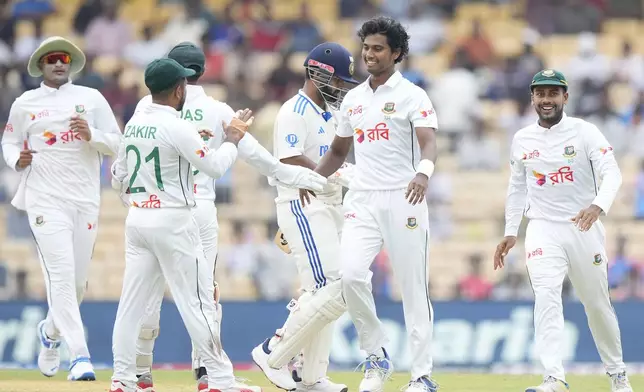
[39,220]
[411,223]
[598,259]
[80,109]
[292,139]
[569,152]
[389,108]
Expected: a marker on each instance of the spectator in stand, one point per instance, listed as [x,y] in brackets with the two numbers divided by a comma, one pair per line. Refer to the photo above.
[303,32]
[86,13]
[479,150]
[413,75]
[629,68]
[477,47]
[611,123]
[142,52]
[26,45]
[475,286]
[88,77]
[107,34]
[576,16]
[282,82]
[639,193]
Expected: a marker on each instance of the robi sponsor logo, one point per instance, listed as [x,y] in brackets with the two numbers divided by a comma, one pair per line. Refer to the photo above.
[50,138]
[377,133]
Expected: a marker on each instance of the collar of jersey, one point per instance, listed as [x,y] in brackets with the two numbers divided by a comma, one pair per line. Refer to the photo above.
[317,109]
[51,89]
[393,80]
[558,125]
[164,108]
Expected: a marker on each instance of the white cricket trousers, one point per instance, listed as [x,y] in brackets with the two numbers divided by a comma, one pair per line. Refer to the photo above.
[557,248]
[65,239]
[313,235]
[162,245]
[205,214]
[374,219]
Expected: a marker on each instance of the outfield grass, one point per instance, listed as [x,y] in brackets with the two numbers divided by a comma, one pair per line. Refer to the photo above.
[181,381]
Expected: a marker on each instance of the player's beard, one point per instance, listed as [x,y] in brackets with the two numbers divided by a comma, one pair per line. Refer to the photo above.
[552,116]
[182,102]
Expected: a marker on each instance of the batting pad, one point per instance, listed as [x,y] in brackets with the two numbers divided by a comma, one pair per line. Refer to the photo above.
[306,320]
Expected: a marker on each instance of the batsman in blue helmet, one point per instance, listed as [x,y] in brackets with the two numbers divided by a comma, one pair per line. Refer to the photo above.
[303,130]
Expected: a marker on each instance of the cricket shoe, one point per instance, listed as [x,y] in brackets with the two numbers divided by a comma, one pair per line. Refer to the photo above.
[550,384]
[377,370]
[281,377]
[49,356]
[81,369]
[118,386]
[238,386]
[619,383]
[144,383]
[322,385]
[423,384]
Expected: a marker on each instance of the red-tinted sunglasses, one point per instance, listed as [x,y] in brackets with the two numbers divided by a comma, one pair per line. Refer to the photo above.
[55,57]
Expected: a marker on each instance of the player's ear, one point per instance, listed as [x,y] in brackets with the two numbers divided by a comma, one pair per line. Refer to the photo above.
[565,96]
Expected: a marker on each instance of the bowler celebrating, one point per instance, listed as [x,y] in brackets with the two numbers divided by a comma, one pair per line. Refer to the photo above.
[56,137]
[556,166]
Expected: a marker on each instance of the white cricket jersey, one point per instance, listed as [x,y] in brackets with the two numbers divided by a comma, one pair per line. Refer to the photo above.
[303,128]
[157,156]
[382,124]
[65,169]
[207,114]
[557,172]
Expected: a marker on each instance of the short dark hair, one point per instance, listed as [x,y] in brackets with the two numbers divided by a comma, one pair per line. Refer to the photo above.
[397,37]
[194,78]
[166,93]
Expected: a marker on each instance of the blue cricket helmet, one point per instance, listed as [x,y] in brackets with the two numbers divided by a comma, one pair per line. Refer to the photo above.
[323,63]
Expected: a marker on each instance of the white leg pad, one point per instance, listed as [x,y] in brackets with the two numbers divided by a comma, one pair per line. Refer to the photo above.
[306,320]
[316,355]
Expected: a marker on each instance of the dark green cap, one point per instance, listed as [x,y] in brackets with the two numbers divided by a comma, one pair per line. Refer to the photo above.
[549,77]
[161,74]
[189,55]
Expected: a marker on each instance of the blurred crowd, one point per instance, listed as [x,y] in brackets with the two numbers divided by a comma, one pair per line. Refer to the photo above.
[606,90]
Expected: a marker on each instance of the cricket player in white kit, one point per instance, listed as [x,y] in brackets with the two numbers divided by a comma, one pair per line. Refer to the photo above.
[207,114]
[303,131]
[56,137]
[563,178]
[393,125]
[162,236]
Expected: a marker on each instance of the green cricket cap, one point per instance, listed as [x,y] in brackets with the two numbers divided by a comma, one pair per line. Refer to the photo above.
[162,74]
[549,77]
[189,55]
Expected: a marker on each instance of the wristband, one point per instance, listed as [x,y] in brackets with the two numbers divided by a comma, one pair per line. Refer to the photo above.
[426,167]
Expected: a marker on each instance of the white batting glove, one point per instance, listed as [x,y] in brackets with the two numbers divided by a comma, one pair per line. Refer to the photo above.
[299,177]
[343,176]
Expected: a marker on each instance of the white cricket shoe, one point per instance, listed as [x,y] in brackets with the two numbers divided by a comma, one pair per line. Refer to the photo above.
[619,383]
[118,386]
[423,384]
[81,369]
[377,371]
[322,385]
[49,356]
[550,384]
[281,378]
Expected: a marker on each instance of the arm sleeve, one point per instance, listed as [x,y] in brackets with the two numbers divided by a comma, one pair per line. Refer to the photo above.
[291,133]
[515,200]
[344,126]
[106,137]
[602,159]
[423,114]
[212,163]
[119,167]
[13,137]
[257,156]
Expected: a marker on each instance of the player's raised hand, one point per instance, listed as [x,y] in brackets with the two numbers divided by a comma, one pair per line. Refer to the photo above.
[587,217]
[80,125]
[26,156]
[502,250]
[234,131]
[246,116]
[417,188]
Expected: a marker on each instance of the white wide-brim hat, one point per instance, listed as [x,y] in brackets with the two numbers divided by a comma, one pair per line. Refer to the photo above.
[56,44]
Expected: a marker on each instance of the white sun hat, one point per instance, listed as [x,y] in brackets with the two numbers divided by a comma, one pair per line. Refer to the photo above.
[56,44]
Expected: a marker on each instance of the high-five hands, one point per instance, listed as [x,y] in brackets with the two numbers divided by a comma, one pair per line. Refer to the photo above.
[238,126]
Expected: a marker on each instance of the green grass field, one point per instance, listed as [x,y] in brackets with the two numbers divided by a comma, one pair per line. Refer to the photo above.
[181,381]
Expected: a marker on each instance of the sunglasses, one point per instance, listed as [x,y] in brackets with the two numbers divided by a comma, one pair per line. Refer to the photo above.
[54,58]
